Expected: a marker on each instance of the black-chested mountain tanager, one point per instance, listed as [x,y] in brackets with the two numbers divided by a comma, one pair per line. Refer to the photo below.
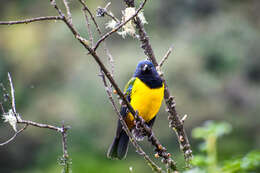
[144,91]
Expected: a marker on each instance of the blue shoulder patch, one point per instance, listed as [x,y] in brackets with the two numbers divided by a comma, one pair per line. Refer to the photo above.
[129,86]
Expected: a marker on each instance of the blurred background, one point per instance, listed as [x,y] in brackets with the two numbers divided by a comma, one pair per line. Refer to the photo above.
[214,73]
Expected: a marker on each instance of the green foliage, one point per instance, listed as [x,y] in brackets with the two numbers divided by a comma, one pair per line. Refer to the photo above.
[208,162]
[211,128]
[249,162]
[216,55]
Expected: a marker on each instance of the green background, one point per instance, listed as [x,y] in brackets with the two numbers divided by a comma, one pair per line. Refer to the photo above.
[213,71]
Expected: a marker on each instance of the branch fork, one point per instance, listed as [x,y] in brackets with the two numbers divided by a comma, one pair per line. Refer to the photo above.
[12,112]
[175,121]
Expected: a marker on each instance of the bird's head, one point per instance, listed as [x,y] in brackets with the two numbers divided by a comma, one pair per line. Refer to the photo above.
[147,73]
[145,68]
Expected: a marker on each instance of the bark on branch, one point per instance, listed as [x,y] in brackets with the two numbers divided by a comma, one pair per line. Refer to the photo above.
[26,21]
[62,130]
[175,121]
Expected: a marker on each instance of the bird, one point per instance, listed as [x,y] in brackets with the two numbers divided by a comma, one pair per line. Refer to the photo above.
[144,91]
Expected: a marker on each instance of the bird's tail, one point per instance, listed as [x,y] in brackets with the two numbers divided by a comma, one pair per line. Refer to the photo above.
[118,149]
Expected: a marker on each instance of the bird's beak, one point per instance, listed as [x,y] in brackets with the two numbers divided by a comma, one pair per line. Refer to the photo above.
[145,67]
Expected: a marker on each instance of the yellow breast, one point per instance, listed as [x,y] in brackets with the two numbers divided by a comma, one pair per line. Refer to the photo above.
[146,100]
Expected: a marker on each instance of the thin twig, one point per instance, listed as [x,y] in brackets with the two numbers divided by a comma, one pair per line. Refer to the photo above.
[66,4]
[62,130]
[40,125]
[18,118]
[104,11]
[14,136]
[101,12]
[85,7]
[12,93]
[86,10]
[119,26]
[30,20]
[110,57]
[27,122]
[54,4]
[112,16]
[161,151]
[66,160]
[64,140]
[184,118]
[165,57]
[88,28]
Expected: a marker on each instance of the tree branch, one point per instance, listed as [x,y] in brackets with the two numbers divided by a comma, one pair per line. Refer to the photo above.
[110,58]
[119,26]
[174,118]
[40,125]
[101,12]
[54,4]
[26,21]
[19,120]
[66,4]
[85,7]
[66,161]
[14,136]
[175,121]
[165,57]
[12,93]
[161,150]
[88,27]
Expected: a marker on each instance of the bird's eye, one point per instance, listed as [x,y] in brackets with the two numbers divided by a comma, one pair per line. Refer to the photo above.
[146,68]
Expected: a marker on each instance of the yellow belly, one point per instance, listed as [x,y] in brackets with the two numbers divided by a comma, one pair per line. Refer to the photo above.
[145,100]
